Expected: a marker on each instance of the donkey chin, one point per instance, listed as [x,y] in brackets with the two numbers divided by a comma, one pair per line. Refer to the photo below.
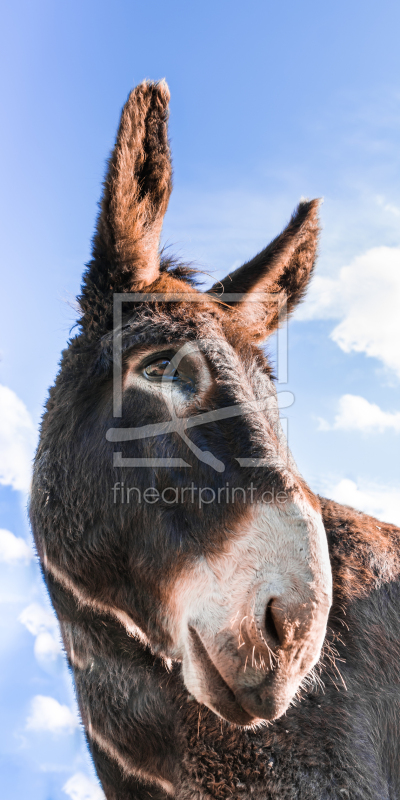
[255,622]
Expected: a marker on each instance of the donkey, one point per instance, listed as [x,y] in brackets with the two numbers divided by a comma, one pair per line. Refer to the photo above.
[230,634]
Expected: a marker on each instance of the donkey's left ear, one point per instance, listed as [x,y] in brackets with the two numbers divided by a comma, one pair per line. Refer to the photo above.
[275,281]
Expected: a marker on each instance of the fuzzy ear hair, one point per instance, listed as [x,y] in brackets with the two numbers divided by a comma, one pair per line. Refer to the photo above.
[137,187]
[276,279]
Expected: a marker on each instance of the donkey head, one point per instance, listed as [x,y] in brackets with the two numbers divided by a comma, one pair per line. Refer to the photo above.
[164,488]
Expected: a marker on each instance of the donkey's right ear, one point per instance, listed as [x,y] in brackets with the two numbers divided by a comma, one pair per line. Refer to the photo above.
[137,187]
[271,285]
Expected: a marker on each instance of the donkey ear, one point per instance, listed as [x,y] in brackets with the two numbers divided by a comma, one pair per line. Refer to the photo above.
[137,187]
[275,280]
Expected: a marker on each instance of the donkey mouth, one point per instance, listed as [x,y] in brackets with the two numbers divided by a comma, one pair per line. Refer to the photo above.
[220,698]
[247,705]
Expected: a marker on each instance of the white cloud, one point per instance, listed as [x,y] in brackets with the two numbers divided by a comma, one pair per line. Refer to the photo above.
[80,787]
[379,501]
[357,414]
[366,298]
[38,619]
[17,441]
[47,714]
[13,548]
[388,206]
[42,624]
[47,648]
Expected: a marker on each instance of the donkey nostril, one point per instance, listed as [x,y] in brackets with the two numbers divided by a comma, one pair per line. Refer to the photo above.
[270,625]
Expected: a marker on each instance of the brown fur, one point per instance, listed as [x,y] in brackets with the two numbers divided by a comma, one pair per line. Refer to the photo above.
[368,551]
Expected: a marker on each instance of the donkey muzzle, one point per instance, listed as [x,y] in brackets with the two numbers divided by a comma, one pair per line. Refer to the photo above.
[253,672]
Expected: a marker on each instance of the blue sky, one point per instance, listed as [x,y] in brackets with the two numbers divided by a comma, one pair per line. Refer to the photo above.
[269,102]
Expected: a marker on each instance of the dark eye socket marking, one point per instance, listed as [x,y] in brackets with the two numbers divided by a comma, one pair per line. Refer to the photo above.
[159,369]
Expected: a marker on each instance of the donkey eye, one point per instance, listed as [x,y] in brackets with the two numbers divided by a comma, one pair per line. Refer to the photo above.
[161,370]
[158,369]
